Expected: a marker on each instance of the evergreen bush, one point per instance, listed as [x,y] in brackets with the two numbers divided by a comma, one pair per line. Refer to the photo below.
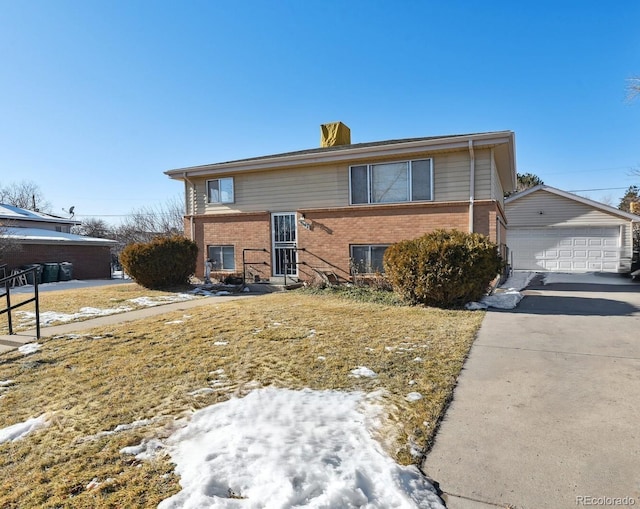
[445,268]
[163,262]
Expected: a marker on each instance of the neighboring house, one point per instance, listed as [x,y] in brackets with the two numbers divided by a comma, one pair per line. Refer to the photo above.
[43,238]
[337,208]
[553,230]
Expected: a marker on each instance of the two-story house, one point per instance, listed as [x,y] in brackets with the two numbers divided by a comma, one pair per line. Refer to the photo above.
[336,208]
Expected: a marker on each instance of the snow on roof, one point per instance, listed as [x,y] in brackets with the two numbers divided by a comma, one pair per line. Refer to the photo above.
[38,236]
[16,213]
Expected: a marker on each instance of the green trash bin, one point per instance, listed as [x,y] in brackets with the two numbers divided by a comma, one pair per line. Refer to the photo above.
[66,271]
[50,272]
[37,273]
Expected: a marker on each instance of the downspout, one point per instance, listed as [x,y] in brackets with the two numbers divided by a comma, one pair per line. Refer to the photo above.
[192,226]
[472,183]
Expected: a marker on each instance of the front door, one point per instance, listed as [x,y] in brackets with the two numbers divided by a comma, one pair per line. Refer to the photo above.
[283,228]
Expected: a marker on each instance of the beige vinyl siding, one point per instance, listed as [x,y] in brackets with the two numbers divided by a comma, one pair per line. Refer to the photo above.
[328,185]
[451,177]
[483,189]
[496,185]
[558,211]
[278,190]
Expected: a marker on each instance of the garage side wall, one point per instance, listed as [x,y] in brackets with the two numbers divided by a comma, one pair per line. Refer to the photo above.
[89,262]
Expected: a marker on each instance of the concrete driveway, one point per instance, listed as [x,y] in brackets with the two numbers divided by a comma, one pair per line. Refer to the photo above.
[547,409]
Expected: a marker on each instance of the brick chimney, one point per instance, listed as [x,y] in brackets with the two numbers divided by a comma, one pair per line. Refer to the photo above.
[334,134]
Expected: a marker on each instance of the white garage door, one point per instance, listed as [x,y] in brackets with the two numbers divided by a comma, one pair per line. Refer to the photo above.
[565,249]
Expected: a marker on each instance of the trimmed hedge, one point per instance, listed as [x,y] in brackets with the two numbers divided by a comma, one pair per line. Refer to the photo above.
[164,262]
[445,268]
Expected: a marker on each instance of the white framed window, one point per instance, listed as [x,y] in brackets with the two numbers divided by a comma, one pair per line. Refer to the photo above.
[367,259]
[397,182]
[223,257]
[220,190]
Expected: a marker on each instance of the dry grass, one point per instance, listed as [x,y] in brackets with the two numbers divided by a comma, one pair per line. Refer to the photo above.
[71,301]
[147,370]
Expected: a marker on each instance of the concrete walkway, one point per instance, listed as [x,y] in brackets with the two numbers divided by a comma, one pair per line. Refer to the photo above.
[11,342]
[546,412]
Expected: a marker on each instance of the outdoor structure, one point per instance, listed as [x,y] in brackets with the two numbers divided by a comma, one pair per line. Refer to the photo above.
[335,209]
[36,238]
[553,230]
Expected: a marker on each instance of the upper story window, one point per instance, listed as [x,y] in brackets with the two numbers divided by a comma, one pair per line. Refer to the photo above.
[220,190]
[391,182]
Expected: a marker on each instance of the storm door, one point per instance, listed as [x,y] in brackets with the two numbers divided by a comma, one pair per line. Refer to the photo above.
[283,228]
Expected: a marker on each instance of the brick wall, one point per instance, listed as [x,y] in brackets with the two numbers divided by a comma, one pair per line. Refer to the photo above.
[89,262]
[332,231]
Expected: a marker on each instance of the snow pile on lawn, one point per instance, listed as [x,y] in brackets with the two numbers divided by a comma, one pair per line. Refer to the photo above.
[507,296]
[162,299]
[280,448]
[29,348]
[22,429]
[49,317]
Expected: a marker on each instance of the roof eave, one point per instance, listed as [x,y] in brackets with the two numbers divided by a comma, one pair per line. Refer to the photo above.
[349,154]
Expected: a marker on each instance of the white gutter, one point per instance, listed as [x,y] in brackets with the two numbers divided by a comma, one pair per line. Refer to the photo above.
[472,183]
[192,227]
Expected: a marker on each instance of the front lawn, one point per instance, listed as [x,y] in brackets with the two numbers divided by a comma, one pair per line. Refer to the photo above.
[146,375]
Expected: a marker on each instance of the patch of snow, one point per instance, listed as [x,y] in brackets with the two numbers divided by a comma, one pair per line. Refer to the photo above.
[312,333]
[412,382]
[417,359]
[29,348]
[48,317]
[280,448]
[413,396]
[221,343]
[161,299]
[592,278]
[475,306]
[363,371]
[133,425]
[504,300]
[321,358]
[6,383]
[174,322]
[22,429]
[203,391]
[518,280]
[246,289]
[222,293]
[146,450]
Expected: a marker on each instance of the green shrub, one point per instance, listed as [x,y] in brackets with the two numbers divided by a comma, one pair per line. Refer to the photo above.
[445,268]
[164,262]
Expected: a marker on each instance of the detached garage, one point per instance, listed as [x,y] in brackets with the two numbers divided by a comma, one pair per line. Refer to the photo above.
[552,230]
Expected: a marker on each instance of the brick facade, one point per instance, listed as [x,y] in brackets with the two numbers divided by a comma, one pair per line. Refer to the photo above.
[89,262]
[326,244]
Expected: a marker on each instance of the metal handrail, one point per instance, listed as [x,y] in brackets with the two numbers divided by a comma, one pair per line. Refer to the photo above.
[6,282]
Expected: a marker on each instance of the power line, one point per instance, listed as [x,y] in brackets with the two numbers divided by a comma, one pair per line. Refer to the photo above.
[601,189]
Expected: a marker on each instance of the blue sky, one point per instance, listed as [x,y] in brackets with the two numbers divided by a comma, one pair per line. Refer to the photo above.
[97,99]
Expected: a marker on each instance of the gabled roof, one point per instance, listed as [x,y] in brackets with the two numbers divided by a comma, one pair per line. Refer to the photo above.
[504,140]
[574,197]
[12,213]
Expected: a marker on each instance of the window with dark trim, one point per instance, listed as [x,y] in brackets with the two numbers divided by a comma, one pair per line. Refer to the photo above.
[398,182]
[223,257]
[220,190]
[367,259]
